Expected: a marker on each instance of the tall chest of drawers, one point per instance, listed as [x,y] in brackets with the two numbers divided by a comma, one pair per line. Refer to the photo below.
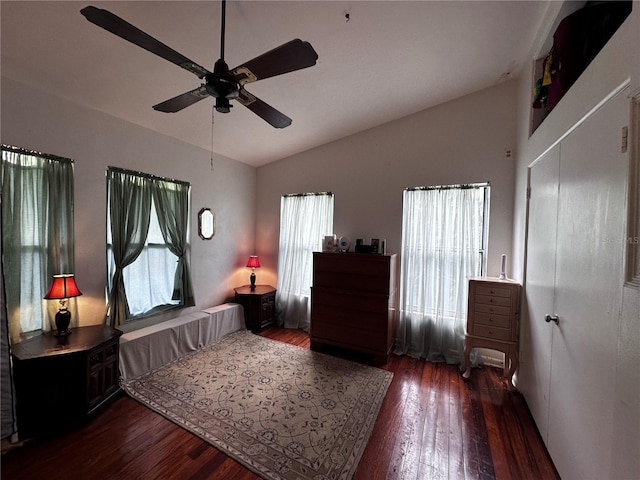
[492,320]
[354,302]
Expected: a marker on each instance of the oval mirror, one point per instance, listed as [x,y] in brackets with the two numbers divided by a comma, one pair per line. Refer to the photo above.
[206,224]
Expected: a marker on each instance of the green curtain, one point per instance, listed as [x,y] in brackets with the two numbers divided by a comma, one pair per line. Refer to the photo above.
[129,198]
[37,233]
[172,206]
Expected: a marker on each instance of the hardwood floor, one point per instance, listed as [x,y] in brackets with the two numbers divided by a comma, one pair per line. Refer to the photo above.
[432,425]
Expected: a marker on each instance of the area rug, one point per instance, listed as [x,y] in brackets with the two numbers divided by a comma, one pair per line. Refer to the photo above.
[285,412]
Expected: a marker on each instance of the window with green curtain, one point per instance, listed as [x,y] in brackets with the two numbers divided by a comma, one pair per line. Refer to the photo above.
[147,245]
[37,234]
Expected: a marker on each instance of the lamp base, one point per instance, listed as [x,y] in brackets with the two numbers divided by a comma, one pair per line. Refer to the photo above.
[63,319]
[252,279]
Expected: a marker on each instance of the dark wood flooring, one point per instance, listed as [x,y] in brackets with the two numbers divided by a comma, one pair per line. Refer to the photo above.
[432,425]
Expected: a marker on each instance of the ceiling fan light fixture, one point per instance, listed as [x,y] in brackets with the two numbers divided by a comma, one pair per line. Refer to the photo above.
[223,105]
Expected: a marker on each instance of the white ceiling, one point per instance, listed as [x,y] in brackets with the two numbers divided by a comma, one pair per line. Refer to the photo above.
[391,59]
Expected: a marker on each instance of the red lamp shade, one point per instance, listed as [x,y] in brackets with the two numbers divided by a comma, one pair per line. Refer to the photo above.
[63,286]
[253,262]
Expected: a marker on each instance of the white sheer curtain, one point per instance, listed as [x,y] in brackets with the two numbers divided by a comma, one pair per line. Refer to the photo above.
[443,239]
[304,221]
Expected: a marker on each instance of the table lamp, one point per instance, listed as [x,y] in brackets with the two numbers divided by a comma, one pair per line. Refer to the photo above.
[62,288]
[254,263]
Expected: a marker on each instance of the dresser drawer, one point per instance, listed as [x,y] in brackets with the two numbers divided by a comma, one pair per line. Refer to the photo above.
[488,300]
[493,291]
[492,320]
[347,310]
[494,333]
[352,272]
[480,308]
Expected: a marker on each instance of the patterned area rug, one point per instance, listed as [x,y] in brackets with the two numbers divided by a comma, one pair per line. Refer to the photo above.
[283,411]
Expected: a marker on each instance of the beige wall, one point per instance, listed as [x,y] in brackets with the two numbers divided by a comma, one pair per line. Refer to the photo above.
[462,141]
[35,120]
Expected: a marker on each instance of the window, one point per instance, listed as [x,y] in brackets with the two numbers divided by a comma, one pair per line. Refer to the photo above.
[147,245]
[37,234]
[304,221]
[444,237]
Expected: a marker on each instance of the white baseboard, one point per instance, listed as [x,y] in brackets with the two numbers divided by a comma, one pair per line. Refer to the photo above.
[491,358]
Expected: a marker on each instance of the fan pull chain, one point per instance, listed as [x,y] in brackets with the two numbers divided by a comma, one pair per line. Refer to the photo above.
[212,122]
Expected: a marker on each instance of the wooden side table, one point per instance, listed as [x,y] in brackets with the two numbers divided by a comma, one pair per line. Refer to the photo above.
[259,305]
[60,381]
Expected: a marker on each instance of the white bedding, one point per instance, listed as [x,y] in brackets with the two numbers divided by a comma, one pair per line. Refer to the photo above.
[146,349]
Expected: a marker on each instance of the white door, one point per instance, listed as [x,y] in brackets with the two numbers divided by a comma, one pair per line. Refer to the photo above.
[589,278]
[575,253]
[536,333]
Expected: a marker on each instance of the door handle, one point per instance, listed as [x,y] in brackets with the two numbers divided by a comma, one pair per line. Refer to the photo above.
[552,318]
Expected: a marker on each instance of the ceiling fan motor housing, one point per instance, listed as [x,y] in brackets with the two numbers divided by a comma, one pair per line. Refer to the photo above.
[221,83]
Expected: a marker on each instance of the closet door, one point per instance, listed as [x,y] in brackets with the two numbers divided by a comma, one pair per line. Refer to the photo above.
[588,288]
[541,268]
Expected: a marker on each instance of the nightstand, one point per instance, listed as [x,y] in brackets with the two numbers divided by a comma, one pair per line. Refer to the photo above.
[61,381]
[259,305]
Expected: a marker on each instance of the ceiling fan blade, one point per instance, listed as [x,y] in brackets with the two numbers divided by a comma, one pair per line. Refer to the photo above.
[176,104]
[291,56]
[122,28]
[263,110]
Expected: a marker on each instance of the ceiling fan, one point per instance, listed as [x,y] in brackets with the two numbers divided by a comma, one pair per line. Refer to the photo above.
[223,83]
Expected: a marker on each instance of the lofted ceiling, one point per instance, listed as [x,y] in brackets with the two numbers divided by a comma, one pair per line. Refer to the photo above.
[382,61]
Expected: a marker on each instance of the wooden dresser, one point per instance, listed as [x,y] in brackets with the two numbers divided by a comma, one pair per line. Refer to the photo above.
[492,321]
[60,381]
[354,302]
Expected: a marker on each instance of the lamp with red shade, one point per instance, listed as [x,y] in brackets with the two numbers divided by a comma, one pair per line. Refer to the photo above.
[253,263]
[62,288]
